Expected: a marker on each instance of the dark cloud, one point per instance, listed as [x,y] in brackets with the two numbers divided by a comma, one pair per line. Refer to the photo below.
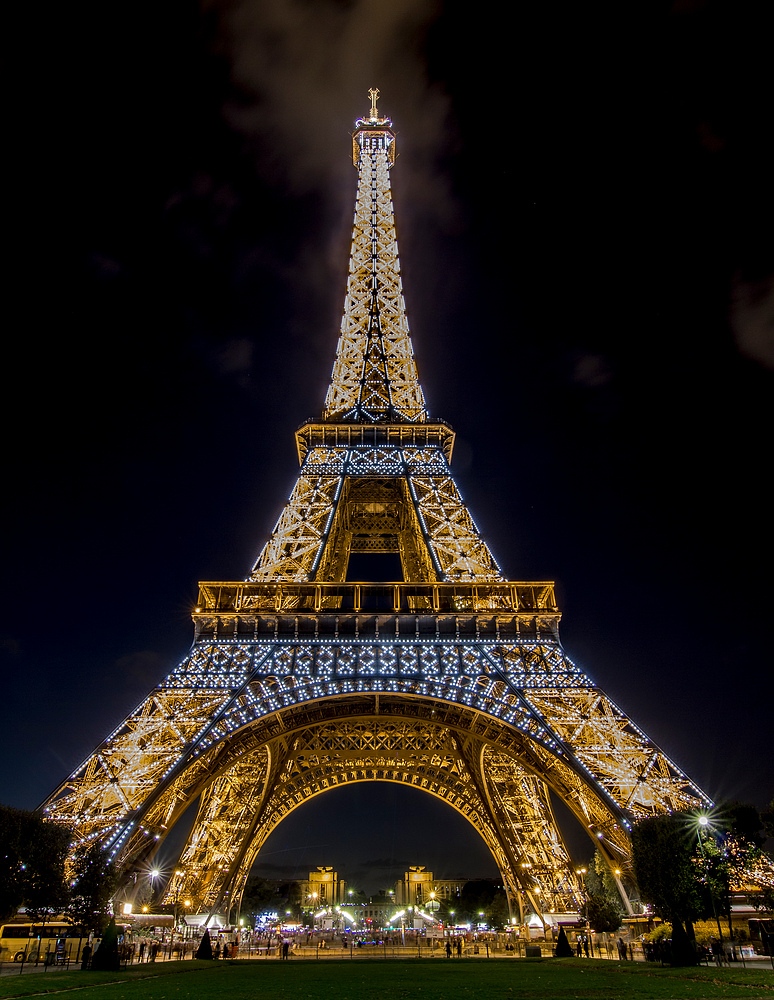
[752,318]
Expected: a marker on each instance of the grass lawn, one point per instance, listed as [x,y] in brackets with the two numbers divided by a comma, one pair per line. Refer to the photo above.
[436,979]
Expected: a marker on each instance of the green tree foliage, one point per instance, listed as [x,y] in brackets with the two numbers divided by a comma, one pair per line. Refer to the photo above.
[497,913]
[32,872]
[105,958]
[604,909]
[204,951]
[663,850]
[257,898]
[92,884]
[474,898]
[563,946]
[733,856]
[448,909]
[743,821]
[603,914]
[767,818]
[264,895]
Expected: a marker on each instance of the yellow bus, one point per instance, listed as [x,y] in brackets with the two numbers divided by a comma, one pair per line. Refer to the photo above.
[55,942]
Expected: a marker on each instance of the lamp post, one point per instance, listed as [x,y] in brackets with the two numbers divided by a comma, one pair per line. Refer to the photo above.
[701,823]
[178,873]
[581,873]
[154,874]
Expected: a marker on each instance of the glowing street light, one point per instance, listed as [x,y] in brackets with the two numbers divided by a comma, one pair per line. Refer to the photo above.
[702,822]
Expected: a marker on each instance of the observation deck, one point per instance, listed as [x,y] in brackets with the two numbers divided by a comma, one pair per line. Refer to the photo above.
[485,610]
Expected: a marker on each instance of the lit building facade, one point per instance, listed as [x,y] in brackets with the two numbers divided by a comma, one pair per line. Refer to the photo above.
[323,888]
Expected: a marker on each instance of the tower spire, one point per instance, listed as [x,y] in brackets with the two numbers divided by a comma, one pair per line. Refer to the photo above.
[374,95]
[374,376]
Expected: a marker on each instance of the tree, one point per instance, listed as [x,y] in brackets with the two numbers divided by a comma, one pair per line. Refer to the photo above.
[106,958]
[603,914]
[603,908]
[663,857]
[258,897]
[448,909]
[563,946]
[476,896]
[32,874]
[743,821]
[767,817]
[204,950]
[732,857]
[92,884]
[497,913]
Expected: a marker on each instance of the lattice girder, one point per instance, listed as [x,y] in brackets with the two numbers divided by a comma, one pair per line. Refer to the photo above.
[120,775]
[307,539]
[424,755]
[374,376]
[520,698]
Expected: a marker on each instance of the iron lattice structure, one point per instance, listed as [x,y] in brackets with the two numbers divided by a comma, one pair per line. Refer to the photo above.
[452,681]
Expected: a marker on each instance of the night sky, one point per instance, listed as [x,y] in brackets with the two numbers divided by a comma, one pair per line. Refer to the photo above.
[585,214]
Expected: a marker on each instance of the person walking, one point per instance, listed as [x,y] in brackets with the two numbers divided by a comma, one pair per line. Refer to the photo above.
[448,949]
[459,947]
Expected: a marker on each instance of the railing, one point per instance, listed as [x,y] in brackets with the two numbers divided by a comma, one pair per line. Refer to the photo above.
[388,598]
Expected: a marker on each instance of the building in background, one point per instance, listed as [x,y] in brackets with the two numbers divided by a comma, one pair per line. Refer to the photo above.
[322,888]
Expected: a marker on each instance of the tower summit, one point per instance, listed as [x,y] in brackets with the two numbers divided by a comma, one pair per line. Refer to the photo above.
[451,679]
[375,375]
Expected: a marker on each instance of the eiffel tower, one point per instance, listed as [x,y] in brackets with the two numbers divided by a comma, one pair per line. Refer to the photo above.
[451,680]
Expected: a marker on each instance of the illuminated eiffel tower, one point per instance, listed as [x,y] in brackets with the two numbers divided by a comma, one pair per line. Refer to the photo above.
[452,680]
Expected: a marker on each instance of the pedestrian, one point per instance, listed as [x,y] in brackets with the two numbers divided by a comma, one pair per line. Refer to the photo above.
[225,950]
[216,953]
[459,947]
[285,948]
[142,951]
[586,945]
[448,949]
[85,957]
[621,949]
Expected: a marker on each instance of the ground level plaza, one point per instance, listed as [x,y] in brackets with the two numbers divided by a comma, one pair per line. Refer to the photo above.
[373,979]
[315,950]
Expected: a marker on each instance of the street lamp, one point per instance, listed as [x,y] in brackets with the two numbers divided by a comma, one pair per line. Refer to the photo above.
[702,822]
[581,873]
[178,885]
